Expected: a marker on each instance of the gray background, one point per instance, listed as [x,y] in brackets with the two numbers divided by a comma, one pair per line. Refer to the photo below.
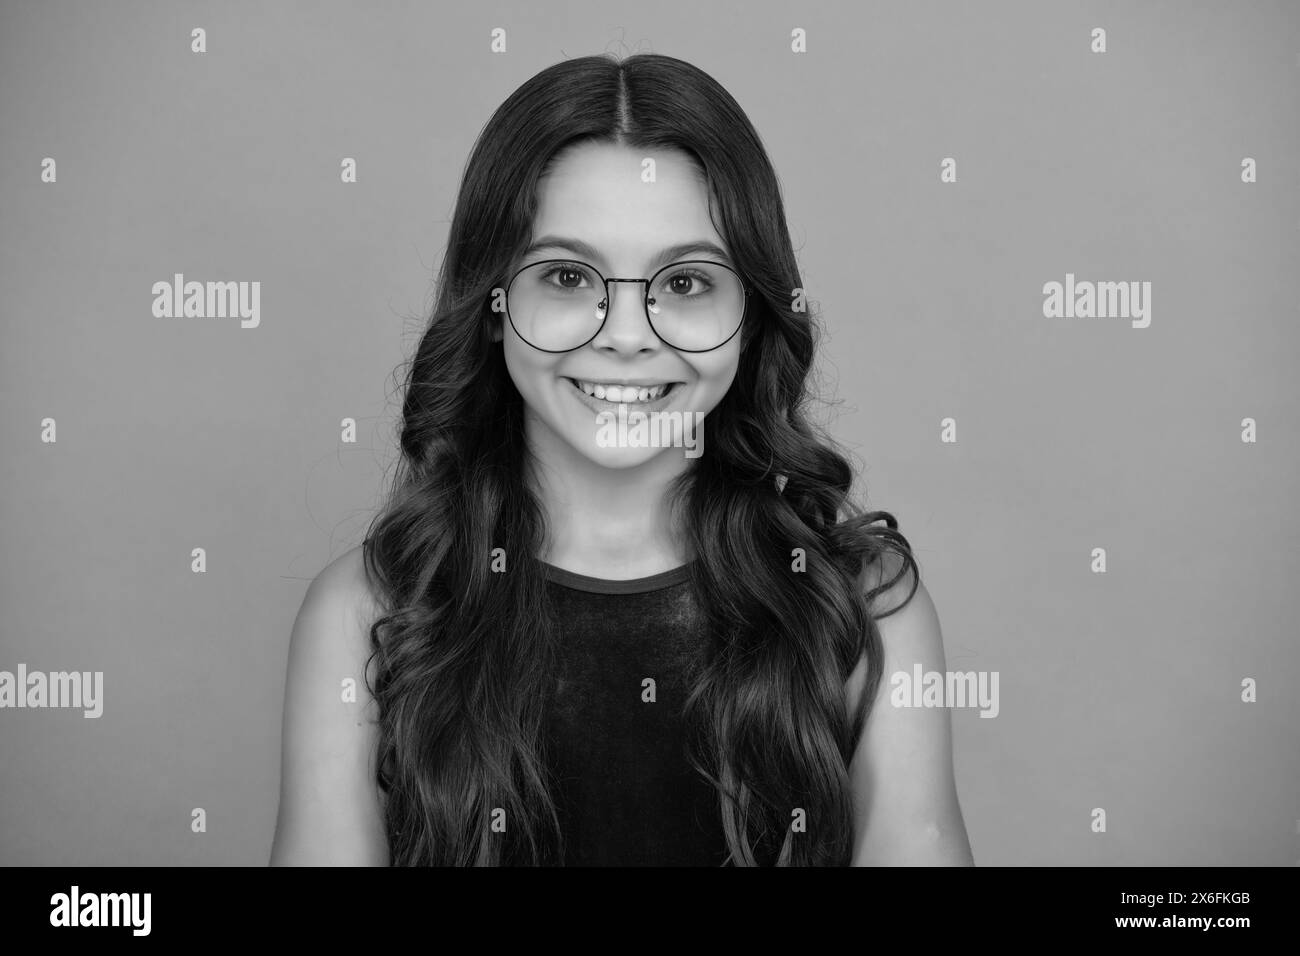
[1118,690]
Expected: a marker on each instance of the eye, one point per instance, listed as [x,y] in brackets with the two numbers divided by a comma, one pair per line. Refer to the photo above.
[687,282]
[567,275]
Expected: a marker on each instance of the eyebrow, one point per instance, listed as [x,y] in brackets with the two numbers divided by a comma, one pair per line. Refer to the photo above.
[670,254]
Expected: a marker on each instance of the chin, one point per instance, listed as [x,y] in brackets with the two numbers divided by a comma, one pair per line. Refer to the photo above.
[620,459]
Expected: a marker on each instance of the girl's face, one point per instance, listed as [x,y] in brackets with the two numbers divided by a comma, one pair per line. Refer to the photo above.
[595,195]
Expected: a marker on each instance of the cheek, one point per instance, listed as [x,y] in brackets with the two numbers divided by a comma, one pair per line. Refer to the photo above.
[524,367]
[716,377]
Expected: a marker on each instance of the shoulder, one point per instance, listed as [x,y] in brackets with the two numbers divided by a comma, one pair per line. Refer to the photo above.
[332,627]
[329,800]
[908,622]
[889,581]
[343,586]
[904,615]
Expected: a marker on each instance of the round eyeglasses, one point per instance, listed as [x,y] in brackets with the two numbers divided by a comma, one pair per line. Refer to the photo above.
[559,305]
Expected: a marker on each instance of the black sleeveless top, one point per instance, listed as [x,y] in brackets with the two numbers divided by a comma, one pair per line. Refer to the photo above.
[626,793]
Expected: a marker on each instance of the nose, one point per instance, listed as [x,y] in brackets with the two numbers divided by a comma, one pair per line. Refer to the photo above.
[626,327]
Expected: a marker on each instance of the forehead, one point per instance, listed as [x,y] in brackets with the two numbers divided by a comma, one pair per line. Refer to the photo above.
[596,192]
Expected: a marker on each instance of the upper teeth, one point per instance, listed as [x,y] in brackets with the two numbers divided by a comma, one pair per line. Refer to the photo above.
[623,393]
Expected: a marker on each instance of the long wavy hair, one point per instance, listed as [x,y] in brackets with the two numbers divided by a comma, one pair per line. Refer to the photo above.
[463,655]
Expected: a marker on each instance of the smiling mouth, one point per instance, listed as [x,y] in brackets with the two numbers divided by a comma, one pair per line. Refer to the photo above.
[630,395]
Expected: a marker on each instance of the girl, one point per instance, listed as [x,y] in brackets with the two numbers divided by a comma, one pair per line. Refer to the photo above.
[590,636]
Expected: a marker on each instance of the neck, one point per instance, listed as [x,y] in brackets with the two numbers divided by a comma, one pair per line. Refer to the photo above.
[605,522]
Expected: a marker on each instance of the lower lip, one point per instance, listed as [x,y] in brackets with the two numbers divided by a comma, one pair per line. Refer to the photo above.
[601,405]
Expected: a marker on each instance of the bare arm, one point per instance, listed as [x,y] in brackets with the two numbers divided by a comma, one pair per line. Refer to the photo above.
[330,805]
[904,793]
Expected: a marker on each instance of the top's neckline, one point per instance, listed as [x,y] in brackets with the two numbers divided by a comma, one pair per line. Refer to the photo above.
[652,582]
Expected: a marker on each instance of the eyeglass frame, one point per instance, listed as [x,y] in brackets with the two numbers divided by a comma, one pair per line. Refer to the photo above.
[645,302]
